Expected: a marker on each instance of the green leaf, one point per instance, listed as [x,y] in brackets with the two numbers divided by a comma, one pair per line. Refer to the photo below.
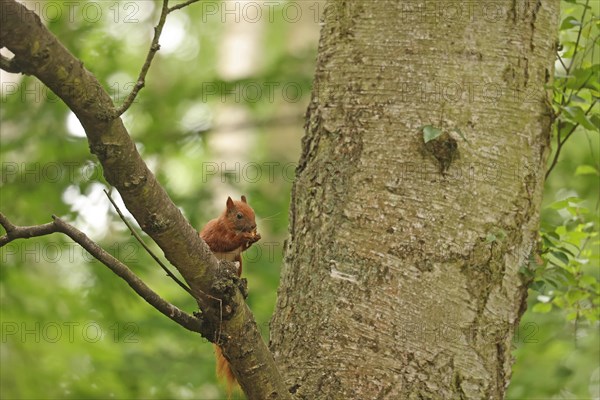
[588,280]
[552,282]
[542,308]
[576,114]
[572,316]
[564,249]
[586,170]
[576,295]
[559,205]
[578,99]
[583,77]
[565,127]
[569,23]
[526,271]
[560,302]
[588,228]
[547,242]
[430,133]
[590,314]
[561,256]
[537,286]
[558,276]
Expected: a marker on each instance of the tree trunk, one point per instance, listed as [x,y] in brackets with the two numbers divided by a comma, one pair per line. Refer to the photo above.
[402,270]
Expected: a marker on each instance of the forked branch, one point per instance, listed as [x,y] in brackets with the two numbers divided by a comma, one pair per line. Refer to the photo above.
[13,232]
[154,47]
[141,242]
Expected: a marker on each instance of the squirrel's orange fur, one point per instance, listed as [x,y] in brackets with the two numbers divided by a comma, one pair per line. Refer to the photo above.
[228,236]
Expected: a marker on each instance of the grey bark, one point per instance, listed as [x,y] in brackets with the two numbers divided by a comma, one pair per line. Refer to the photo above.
[401,276]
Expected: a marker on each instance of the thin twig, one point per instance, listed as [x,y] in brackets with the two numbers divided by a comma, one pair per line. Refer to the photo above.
[179,6]
[561,61]
[575,92]
[595,160]
[573,129]
[560,143]
[174,313]
[578,35]
[591,48]
[139,239]
[591,74]
[566,100]
[154,47]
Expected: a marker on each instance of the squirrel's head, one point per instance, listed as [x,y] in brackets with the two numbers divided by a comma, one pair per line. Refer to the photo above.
[240,215]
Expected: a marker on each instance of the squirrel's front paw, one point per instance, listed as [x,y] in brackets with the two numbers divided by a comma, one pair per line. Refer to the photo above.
[255,237]
[251,238]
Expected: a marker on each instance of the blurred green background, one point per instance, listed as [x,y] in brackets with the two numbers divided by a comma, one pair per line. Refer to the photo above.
[221,114]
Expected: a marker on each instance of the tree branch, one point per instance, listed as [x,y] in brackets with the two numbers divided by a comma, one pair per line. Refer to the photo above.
[9,65]
[154,47]
[41,54]
[561,61]
[182,5]
[216,336]
[25,232]
[141,242]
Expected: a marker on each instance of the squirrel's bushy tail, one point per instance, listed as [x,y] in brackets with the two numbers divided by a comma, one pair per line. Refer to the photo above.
[224,371]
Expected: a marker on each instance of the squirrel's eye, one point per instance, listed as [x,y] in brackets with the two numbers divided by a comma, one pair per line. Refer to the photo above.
[239,215]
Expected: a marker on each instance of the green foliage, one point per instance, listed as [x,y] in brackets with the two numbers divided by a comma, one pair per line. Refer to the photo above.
[568,273]
[567,277]
[553,363]
[562,359]
[576,87]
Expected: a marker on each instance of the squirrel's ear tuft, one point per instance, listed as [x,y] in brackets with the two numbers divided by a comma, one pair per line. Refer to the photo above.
[229,203]
[244,199]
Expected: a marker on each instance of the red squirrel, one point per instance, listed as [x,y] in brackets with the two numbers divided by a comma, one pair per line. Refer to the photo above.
[228,236]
